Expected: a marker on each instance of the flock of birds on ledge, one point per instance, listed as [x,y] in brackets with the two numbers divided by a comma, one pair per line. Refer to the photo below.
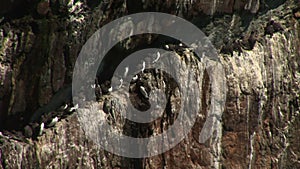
[48,120]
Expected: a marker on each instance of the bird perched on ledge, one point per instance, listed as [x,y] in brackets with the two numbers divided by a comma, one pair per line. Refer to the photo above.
[227,48]
[175,47]
[236,46]
[273,27]
[252,39]
[53,122]
[248,42]
[144,92]
[41,129]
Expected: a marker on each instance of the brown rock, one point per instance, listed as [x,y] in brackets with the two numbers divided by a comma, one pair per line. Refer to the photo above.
[297,14]
[28,131]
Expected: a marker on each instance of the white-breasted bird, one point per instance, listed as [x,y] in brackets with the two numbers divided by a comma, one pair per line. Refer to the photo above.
[110,89]
[41,129]
[156,59]
[126,71]
[164,84]
[121,83]
[135,77]
[144,66]
[74,108]
[53,121]
[167,46]
[65,106]
[144,92]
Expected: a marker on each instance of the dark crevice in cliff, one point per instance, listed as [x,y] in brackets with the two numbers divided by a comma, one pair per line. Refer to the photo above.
[134,6]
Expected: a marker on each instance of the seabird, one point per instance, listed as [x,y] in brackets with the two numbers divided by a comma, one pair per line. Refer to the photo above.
[53,121]
[135,77]
[126,71]
[74,108]
[175,47]
[277,27]
[144,66]
[164,84]
[65,107]
[93,86]
[41,129]
[269,30]
[273,27]
[121,83]
[28,131]
[252,39]
[110,89]
[106,106]
[98,91]
[236,46]
[144,92]
[105,87]
[227,47]
[158,56]
[166,46]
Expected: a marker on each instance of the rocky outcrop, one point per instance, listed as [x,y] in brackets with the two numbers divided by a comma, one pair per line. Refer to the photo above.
[260,123]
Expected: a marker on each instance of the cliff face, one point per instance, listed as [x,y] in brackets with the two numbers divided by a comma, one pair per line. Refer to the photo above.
[258,129]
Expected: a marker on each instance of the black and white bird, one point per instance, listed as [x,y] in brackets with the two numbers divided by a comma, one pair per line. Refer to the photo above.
[167,47]
[106,106]
[273,27]
[135,77]
[180,47]
[53,122]
[28,131]
[73,108]
[144,92]
[63,107]
[93,86]
[98,92]
[236,46]
[252,39]
[227,47]
[121,83]
[277,26]
[164,84]
[41,129]
[156,59]
[110,89]
[106,87]
[144,66]
[126,71]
